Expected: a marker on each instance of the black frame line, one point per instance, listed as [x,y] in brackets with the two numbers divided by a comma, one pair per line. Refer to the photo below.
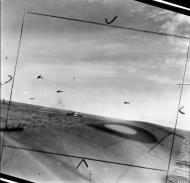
[86,158]
[13,79]
[159,142]
[108,25]
[14,179]
[178,108]
[168,7]
[102,24]
[162,139]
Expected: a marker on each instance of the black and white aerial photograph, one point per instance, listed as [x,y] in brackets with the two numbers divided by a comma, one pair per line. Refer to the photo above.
[95,91]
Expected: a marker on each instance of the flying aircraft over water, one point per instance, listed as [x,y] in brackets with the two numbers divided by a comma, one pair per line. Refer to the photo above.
[43,144]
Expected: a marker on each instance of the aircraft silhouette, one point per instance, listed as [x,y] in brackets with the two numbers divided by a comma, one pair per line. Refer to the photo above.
[126,102]
[59,91]
[32,98]
[40,77]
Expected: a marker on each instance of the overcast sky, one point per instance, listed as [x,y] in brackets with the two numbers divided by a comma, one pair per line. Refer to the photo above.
[97,67]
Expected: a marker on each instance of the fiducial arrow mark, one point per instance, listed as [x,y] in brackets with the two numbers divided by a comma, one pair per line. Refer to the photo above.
[109,22]
[83,160]
[10,78]
[180,110]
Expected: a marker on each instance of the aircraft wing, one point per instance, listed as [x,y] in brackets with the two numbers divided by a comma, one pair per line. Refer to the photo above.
[53,143]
